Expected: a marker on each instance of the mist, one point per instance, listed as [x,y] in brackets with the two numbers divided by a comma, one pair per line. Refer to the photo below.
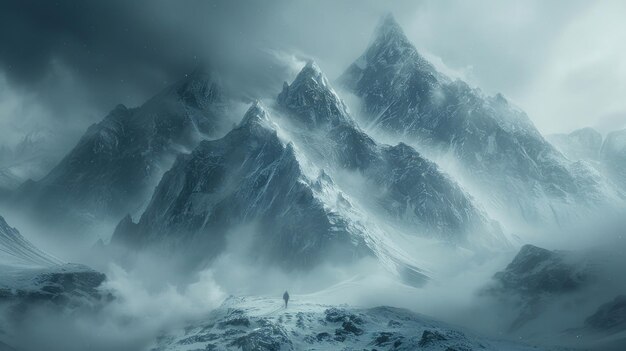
[407,217]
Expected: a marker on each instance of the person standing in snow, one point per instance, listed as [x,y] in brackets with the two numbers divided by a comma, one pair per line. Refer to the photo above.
[286,298]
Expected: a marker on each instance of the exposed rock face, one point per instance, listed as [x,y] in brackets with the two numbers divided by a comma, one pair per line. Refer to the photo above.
[307,325]
[113,168]
[499,149]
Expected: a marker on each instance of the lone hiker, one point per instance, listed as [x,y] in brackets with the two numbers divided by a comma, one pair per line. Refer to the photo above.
[286,298]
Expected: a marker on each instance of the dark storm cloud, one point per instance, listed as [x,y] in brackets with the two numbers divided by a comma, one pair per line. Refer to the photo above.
[124,51]
[65,64]
[102,43]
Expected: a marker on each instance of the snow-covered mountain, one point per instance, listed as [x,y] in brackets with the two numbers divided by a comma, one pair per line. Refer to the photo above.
[257,323]
[497,147]
[248,181]
[114,167]
[30,275]
[16,251]
[403,187]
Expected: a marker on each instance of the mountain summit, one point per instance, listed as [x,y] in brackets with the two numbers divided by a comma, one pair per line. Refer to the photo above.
[312,100]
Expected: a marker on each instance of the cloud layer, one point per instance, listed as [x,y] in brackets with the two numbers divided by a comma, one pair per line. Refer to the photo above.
[65,64]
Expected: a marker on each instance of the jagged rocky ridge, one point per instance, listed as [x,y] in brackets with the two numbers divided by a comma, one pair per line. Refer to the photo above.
[499,149]
[115,165]
[263,324]
[535,270]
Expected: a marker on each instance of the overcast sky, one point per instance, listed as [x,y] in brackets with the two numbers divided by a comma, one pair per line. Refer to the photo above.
[65,64]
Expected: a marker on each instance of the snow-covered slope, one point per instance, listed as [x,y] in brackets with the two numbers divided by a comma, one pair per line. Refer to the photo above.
[496,145]
[287,183]
[257,323]
[114,167]
[16,251]
[30,275]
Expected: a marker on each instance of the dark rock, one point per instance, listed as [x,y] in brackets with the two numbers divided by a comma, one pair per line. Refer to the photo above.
[382,338]
[323,336]
[269,338]
[236,318]
[350,327]
[430,337]
[496,144]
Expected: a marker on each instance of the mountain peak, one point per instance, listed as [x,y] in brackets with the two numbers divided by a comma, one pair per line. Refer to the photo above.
[311,72]
[389,53]
[388,30]
[311,97]
[256,114]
